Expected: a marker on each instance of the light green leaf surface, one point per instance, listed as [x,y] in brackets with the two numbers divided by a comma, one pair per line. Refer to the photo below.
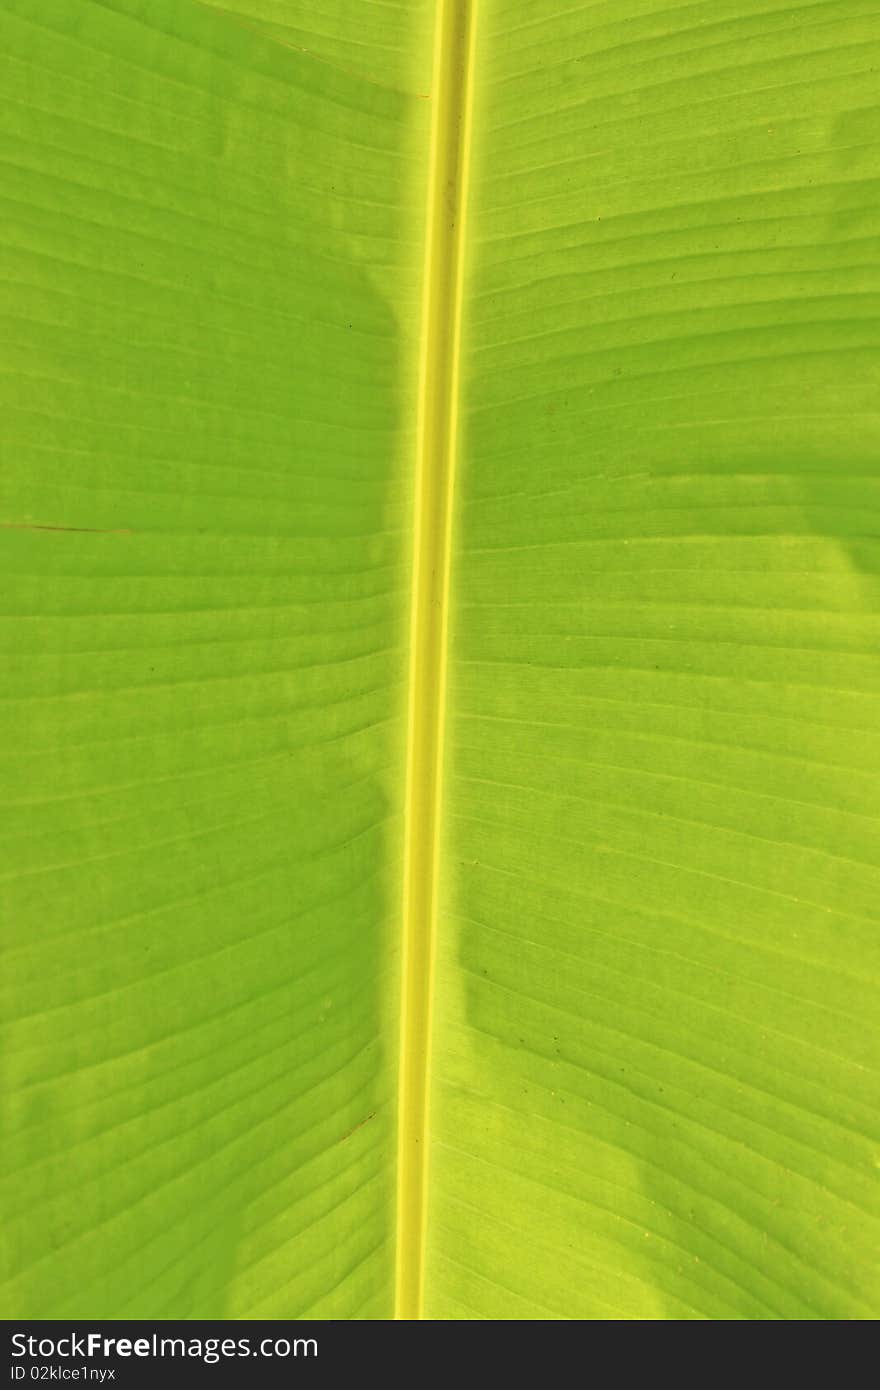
[653,1082]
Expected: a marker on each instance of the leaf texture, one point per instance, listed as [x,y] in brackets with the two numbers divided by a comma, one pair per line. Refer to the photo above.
[651,1084]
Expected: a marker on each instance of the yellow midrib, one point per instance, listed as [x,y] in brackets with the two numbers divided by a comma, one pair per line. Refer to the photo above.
[435,475]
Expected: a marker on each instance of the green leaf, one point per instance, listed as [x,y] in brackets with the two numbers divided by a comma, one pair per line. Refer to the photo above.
[440,669]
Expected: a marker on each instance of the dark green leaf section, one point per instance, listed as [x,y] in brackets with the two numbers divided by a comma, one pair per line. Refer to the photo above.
[210,255]
[384,41]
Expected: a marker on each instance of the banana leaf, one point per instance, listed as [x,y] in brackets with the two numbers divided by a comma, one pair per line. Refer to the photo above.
[440,669]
